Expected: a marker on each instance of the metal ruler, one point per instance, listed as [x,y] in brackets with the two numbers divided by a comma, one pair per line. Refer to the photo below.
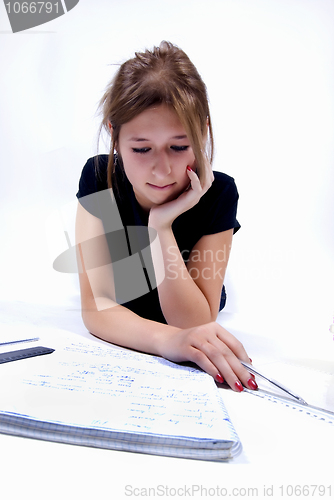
[313,411]
[6,357]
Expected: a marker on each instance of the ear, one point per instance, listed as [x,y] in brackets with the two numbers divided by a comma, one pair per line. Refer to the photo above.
[206,132]
[111,130]
[207,125]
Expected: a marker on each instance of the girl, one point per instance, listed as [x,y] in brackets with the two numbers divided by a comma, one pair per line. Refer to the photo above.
[155,223]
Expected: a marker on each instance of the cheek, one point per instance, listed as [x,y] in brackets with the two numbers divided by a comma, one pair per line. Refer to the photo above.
[133,174]
[136,173]
[129,168]
[183,180]
[190,160]
[182,167]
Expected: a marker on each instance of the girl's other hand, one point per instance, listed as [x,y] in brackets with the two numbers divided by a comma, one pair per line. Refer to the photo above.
[213,349]
[164,215]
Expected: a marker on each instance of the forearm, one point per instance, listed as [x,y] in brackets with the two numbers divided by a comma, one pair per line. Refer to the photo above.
[209,346]
[182,302]
[119,325]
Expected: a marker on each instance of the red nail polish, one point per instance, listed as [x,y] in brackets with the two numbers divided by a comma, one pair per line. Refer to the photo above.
[219,378]
[250,360]
[252,375]
[252,384]
[238,386]
[189,168]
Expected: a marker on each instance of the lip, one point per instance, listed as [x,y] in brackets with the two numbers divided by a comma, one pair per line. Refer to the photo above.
[161,188]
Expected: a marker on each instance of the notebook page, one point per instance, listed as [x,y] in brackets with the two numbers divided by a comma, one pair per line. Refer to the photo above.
[92,385]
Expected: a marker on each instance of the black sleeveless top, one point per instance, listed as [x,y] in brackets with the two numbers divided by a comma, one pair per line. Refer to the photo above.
[125,225]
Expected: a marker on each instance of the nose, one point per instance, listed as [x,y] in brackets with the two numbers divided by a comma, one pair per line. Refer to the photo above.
[162,166]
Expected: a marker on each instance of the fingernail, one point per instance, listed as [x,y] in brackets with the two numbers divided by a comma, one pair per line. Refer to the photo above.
[252,375]
[238,386]
[189,168]
[252,384]
[219,378]
[250,360]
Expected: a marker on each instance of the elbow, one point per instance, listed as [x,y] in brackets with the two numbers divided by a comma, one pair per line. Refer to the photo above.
[87,320]
[89,311]
[92,313]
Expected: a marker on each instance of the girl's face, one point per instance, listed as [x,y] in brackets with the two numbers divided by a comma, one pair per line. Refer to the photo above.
[155,151]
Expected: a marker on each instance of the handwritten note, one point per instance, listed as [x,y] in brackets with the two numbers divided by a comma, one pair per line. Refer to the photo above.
[88,384]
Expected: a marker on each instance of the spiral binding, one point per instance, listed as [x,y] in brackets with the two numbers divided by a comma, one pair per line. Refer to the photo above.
[313,411]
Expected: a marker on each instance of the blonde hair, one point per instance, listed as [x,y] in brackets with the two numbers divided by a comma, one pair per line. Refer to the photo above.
[164,75]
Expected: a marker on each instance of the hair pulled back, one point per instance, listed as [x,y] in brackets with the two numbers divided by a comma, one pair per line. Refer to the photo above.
[164,75]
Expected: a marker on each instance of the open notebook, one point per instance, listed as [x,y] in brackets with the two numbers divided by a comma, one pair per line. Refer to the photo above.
[91,394]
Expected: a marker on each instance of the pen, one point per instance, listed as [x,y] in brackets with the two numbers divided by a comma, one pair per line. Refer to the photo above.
[274,382]
[19,341]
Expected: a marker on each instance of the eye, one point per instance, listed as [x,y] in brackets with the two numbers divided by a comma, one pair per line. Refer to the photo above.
[141,150]
[179,149]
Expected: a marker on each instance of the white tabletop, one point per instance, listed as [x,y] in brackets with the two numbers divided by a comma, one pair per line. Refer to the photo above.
[282,449]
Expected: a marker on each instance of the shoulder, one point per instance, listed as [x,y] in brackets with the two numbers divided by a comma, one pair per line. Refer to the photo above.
[93,179]
[223,183]
[223,191]
[95,169]
[218,206]
[222,178]
[93,176]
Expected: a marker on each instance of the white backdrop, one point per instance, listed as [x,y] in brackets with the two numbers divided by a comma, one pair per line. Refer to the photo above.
[268,66]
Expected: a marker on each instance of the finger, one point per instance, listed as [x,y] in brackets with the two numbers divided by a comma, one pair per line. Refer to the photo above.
[211,358]
[200,359]
[238,353]
[216,358]
[199,186]
[242,374]
[233,343]
[194,180]
[225,361]
[227,364]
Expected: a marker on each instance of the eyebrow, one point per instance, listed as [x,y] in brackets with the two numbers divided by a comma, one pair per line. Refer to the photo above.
[180,137]
[142,139]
